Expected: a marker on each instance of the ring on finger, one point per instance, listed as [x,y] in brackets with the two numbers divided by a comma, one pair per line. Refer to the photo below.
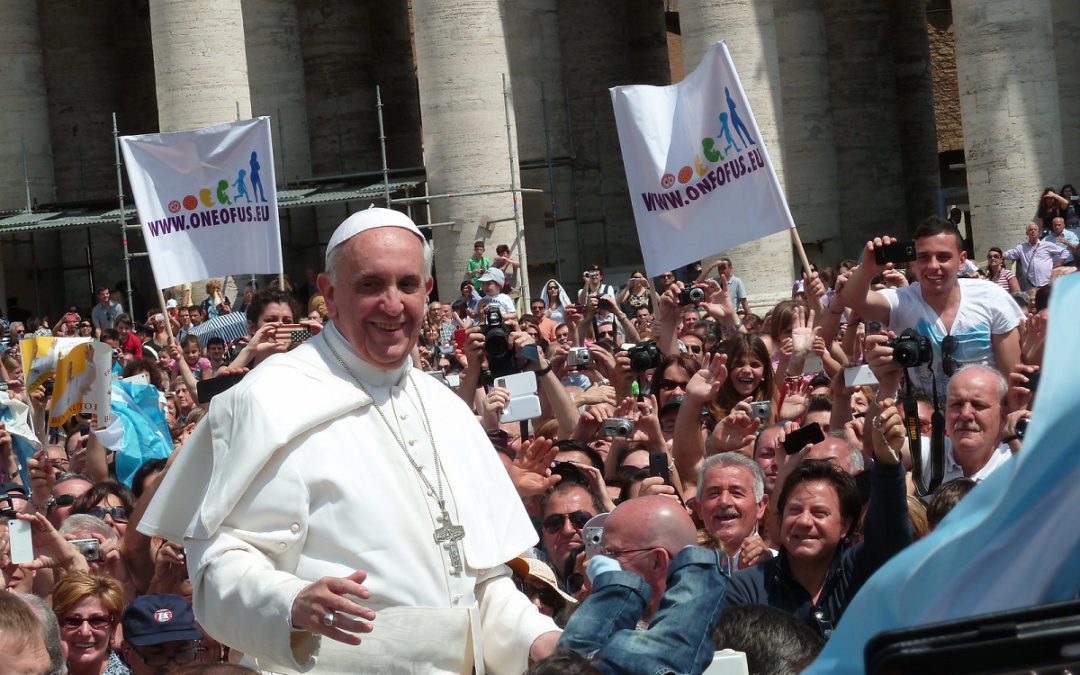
[328,618]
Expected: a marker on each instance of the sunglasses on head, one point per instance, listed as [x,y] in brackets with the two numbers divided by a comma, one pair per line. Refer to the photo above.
[554,523]
[118,513]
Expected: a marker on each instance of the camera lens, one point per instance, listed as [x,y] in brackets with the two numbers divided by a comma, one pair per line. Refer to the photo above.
[697,295]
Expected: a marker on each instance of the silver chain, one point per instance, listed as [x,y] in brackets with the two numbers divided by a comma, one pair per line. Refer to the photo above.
[437,493]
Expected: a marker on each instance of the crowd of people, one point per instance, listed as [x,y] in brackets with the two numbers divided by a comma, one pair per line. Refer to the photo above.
[753,461]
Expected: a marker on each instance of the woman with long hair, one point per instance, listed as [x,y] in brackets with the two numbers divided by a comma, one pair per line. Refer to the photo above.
[88,607]
[1051,205]
[996,271]
[749,375]
[638,292]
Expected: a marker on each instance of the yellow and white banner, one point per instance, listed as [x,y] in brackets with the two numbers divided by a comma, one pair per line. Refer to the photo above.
[207,201]
[83,385]
[41,356]
[699,175]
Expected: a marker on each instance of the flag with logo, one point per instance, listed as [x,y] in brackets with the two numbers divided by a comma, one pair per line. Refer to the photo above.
[1011,542]
[83,376]
[41,356]
[207,201]
[700,178]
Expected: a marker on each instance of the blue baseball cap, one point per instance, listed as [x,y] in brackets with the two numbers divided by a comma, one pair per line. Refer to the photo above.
[161,617]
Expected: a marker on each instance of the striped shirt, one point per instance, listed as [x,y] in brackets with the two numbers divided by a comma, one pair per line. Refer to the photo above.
[1003,278]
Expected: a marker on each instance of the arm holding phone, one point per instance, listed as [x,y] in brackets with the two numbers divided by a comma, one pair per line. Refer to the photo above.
[871,305]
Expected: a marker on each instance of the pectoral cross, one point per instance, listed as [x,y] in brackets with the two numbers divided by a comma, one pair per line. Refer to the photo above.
[449,535]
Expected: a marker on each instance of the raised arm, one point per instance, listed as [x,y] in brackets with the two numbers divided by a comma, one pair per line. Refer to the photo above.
[871,305]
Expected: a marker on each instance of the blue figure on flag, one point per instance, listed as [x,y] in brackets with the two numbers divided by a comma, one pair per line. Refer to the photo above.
[736,121]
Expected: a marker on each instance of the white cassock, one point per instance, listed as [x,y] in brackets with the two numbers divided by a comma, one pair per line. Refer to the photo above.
[295,476]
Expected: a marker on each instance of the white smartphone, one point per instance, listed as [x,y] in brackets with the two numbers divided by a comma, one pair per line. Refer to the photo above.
[524,404]
[859,376]
[22,545]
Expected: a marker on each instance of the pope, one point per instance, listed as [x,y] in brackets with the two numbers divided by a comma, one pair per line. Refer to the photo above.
[337,492]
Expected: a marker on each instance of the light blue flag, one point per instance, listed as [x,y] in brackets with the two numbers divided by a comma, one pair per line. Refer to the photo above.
[146,433]
[1012,542]
[15,416]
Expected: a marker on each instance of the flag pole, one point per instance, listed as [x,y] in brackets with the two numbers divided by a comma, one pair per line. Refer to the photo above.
[812,300]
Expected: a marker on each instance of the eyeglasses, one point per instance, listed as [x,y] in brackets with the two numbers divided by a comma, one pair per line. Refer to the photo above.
[99,622]
[180,657]
[119,514]
[669,385]
[949,345]
[555,522]
[694,349]
[617,554]
[605,334]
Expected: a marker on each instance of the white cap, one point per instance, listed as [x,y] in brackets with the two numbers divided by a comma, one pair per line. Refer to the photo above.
[369,219]
[171,304]
[493,274]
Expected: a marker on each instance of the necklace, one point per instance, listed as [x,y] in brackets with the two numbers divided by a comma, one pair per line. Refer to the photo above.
[448,534]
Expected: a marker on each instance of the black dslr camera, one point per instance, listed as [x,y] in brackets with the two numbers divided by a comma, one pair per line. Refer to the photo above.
[910,349]
[644,356]
[691,296]
[497,343]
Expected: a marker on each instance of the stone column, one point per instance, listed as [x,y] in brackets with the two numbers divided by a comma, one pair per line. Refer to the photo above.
[200,62]
[1012,121]
[1066,19]
[863,94]
[539,103]
[809,145]
[915,110]
[748,27]
[603,48]
[276,80]
[460,58]
[25,145]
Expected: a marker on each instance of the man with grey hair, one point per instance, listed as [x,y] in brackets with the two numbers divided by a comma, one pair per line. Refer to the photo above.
[731,501]
[975,412]
[370,496]
[56,647]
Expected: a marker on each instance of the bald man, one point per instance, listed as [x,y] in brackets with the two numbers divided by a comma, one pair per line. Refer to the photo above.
[837,450]
[648,555]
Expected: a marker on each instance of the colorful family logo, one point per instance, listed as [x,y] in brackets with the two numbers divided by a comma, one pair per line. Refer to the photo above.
[221,192]
[712,151]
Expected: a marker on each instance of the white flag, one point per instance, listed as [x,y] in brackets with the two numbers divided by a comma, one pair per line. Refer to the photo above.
[699,175]
[207,201]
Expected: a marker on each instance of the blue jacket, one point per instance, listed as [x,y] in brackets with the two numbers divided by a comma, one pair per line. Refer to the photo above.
[886,532]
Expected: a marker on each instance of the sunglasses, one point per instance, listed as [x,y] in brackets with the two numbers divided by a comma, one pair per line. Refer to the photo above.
[694,349]
[64,500]
[669,385]
[949,345]
[118,513]
[99,622]
[604,334]
[555,522]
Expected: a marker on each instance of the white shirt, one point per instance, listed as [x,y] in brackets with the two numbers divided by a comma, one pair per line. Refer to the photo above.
[985,310]
[503,301]
[953,469]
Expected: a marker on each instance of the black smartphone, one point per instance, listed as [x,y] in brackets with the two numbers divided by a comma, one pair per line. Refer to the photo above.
[896,253]
[208,389]
[658,466]
[796,440]
[1033,381]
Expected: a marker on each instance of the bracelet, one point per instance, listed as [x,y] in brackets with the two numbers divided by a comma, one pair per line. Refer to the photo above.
[11,476]
[543,371]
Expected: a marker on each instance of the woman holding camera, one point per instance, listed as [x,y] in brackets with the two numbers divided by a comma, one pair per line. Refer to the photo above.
[820,567]
[638,292]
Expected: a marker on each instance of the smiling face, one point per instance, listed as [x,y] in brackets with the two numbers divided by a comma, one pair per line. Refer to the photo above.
[747,374]
[973,415]
[938,260]
[811,525]
[378,293]
[727,506]
[765,449]
[87,646]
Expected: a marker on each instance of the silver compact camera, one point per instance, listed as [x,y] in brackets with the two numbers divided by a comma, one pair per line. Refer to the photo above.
[619,426]
[578,357]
